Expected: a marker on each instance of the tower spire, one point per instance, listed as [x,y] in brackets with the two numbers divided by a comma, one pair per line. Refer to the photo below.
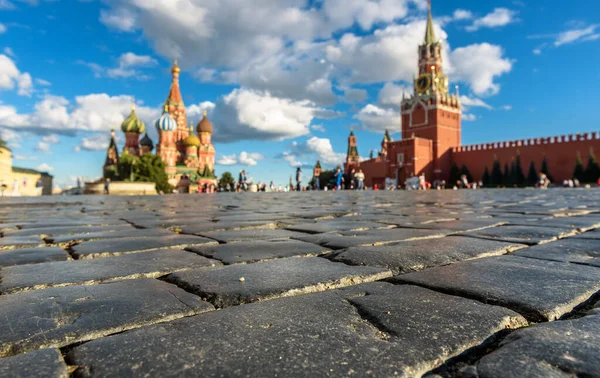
[429,33]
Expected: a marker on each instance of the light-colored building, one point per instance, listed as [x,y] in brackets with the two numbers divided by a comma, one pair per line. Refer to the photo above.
[15,181]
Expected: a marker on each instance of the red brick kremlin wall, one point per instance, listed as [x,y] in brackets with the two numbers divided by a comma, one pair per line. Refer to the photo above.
[560,152]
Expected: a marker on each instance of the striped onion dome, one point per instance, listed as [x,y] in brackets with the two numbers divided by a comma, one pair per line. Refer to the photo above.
[192,139]
[133,124]
[166,122]
[147,142]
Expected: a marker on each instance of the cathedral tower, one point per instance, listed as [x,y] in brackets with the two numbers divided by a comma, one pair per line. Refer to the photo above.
[132,127]
[431,112]
[176,109]
[352,158]
[166,148]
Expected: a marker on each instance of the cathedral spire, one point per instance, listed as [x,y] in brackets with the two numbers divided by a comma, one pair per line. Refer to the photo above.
[429,33]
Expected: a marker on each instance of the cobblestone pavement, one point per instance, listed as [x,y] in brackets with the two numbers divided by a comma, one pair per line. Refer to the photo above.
[488,283]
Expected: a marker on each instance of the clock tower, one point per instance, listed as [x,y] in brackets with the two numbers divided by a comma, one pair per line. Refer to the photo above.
[431,112]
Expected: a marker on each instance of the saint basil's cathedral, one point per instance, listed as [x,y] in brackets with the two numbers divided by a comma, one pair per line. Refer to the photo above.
[431,136]
[183,152]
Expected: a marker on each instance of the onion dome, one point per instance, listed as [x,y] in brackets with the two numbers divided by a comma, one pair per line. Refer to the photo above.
[191,140]
[175,68]
[147,142]
[204,126]
[166,122]
[133,124]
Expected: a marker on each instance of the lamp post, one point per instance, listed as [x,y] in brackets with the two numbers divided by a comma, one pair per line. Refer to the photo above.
[131,171]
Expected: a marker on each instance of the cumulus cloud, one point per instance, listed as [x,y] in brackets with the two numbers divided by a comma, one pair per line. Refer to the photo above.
[499,17]
[376,119]
[312,149]
[391,94]
[251,115]
[248,159]
[95,142]
[128,66]
[479,65]
[44,167]
[11,77]
[94,112]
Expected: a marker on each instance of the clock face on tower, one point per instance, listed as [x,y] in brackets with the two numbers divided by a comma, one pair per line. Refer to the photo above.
[422,83]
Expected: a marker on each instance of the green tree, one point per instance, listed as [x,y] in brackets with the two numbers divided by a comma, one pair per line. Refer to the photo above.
[579,172]
[486,178]
[532,176]
[512,175]
[454,175]
[126,166]
[506,175]
[326,179]
[151,168]
[227,178]
[465,171]
[497,177]
[592,172]
[519,175]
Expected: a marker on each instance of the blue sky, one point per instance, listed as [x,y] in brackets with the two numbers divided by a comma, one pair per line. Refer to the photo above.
[284,80]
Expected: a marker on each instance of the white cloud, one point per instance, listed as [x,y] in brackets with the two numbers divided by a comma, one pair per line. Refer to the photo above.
[43,82]
[537,51]
[468,102]
[6,4]
[43,147]
[391,94]
[479,65]
[314,149]
[227,160]
[2,28]
[25,157]
[292,160]
[461,14]
[44,167]
[128,64]
[570,36]
[376,119]
[468,117]
[319,128]
[51,139]
[120,18]
[11,77]
[251,115]
[248,159]
[94,112]
[499,17]
[96,142]
[195,112]
[507,107]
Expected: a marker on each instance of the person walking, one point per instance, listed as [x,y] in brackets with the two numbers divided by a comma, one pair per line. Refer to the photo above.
[298,179]
[107,186]
[339,179]
[243,181]
[360,180]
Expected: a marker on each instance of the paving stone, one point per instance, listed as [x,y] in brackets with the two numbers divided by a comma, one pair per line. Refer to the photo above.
[568,348]
[20,242]
[47,363]
[60,316]
[336,225]
[575,250]
[260,250]
[128,233]
[115,247]
[246,235]
[460,225]
[371,238]
[538,289]
[323,334]
[522,234]
[578,223]
[234,284]
[31,256]
[149,264]
[416,255]
[67,230]
[594,235]
[188,228]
